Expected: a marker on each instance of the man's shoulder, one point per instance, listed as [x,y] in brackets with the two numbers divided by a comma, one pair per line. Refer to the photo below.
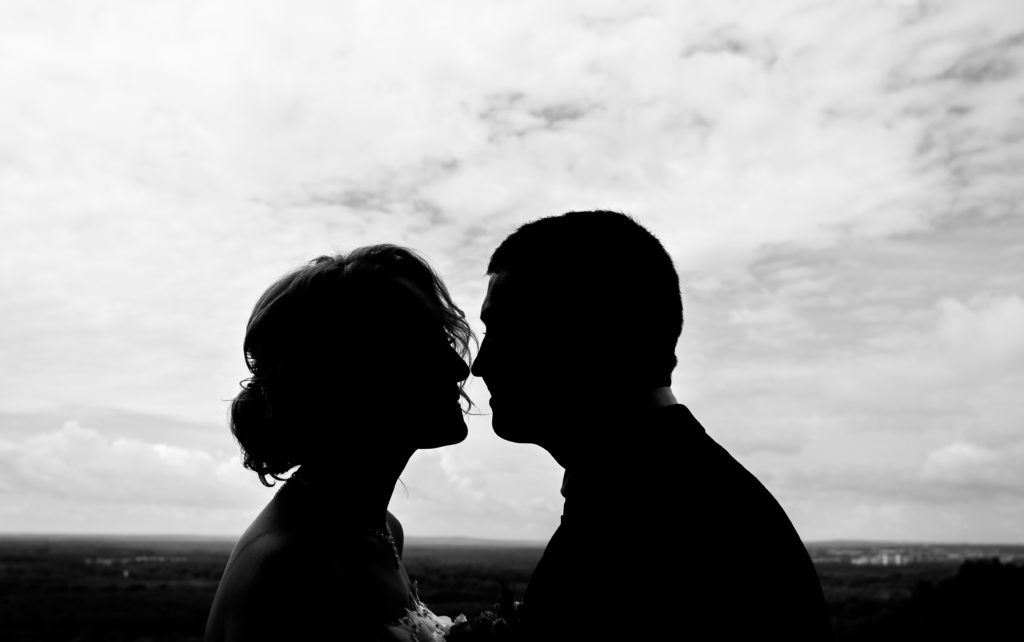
[700,453]
[716,481]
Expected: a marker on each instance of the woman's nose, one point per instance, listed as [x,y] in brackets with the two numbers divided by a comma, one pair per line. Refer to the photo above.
[478,362]
[459,368]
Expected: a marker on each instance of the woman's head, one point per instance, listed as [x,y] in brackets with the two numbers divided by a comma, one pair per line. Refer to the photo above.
[364,350]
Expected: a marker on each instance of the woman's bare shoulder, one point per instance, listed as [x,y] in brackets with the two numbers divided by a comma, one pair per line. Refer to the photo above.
[276,580]
[272,554]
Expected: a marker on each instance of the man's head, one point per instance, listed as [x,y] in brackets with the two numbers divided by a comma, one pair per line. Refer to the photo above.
[581,309]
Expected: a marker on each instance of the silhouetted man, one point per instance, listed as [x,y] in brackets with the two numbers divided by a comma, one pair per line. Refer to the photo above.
[663,533]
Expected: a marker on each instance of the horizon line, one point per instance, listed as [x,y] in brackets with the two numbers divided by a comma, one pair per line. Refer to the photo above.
[838,541]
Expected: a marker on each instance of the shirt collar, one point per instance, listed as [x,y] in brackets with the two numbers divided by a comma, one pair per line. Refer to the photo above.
[655,399]
[660,398]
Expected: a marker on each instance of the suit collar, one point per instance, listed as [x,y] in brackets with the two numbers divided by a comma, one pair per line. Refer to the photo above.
[649,404]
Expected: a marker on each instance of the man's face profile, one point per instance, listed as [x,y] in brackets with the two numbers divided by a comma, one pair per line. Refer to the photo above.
[519,362]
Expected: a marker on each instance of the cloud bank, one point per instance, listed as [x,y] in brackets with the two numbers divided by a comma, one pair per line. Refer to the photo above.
[837,183]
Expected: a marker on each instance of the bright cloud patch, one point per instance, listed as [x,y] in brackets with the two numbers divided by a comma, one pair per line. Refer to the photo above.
[78,463]
[988,334]
[982,471]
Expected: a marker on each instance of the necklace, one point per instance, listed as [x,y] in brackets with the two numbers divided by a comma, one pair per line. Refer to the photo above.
[383,535]
[390,539]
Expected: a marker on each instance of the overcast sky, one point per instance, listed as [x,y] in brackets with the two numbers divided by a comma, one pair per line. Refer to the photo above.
[839,183]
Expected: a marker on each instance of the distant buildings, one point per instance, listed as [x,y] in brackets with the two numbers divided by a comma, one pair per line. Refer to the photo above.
[890,554]
[885,558]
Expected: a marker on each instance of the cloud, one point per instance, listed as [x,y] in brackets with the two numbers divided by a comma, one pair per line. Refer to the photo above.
[977,471]
[888,395]
[944,356]
[264,147]
[491,489]
[80,464]
[837,184]
[160,487]
[775,324]
[120,472]
[117,423]
[984,335]
[950,474]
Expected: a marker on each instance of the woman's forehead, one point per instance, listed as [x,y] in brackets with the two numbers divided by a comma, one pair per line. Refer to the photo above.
[406,304]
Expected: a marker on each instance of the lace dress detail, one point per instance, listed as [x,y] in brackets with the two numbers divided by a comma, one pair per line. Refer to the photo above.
[420,624]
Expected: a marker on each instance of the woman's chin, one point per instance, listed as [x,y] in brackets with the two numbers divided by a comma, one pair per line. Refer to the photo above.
[452,433]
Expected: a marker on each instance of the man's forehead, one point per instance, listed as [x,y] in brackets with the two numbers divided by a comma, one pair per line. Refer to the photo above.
[501,296]
[512,295]
[488,306]
[499,281]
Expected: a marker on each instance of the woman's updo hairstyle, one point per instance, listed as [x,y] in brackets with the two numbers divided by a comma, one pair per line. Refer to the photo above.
[308,336]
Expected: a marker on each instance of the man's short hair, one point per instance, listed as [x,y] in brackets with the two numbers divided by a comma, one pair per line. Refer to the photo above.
[612,274]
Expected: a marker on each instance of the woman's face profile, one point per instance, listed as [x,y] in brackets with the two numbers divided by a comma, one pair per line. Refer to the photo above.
[419,371]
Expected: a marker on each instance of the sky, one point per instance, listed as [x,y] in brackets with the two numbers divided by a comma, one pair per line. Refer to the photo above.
[839,185]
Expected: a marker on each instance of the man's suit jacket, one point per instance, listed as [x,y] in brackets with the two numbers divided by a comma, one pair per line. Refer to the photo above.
[665,535]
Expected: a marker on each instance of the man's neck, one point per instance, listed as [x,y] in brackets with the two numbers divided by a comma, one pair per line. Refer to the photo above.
[648,401]
[658,398]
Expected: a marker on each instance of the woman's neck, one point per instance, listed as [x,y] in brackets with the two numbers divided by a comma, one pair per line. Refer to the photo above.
[360,489]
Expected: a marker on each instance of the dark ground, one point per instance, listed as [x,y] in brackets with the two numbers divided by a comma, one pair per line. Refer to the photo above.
[159,589]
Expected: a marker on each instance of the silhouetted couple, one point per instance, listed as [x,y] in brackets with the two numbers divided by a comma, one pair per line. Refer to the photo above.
[359,360]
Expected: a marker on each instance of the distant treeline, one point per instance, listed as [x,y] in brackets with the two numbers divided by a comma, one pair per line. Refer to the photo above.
[981,600]
[117,590]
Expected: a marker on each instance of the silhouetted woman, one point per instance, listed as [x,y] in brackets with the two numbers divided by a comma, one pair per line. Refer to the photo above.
[357,361]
